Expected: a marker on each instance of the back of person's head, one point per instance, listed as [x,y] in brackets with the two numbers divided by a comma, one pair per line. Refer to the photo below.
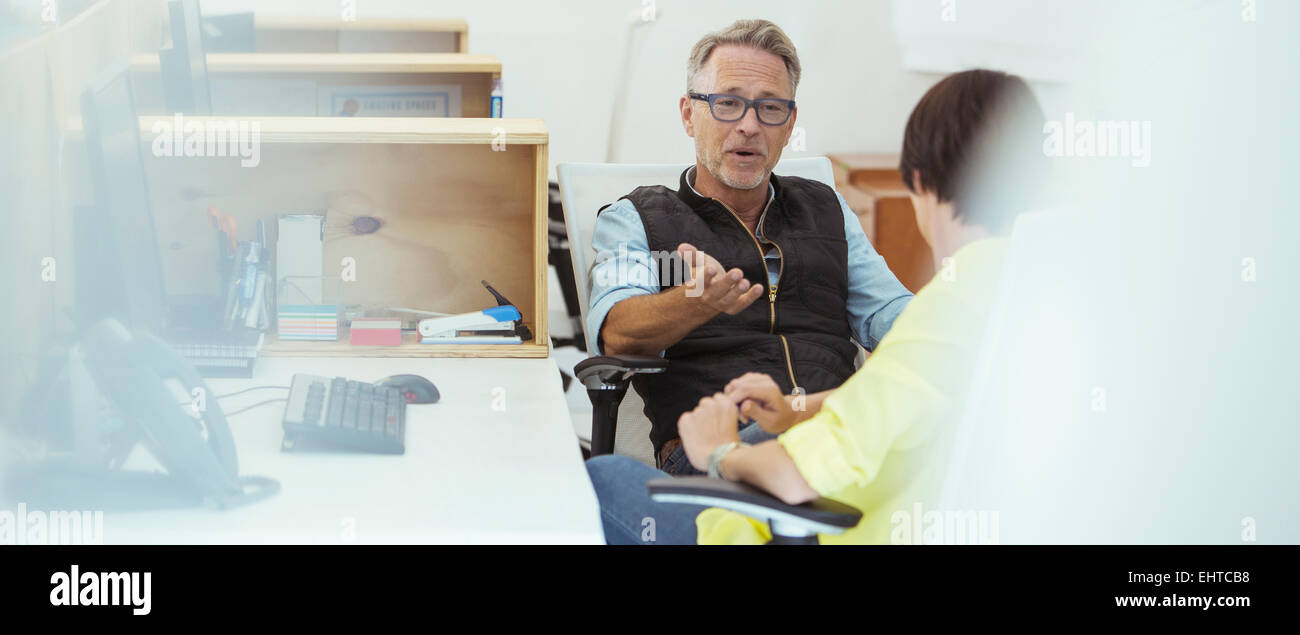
[975,140]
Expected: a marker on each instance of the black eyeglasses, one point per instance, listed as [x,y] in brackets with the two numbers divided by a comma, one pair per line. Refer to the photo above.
[728,108]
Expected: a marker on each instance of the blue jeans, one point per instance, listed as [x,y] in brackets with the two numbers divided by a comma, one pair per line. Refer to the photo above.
[628,515]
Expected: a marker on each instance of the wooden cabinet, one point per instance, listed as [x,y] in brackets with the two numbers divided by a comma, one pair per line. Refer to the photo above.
[289,83]
[423,208]
[285,34]
[874,190]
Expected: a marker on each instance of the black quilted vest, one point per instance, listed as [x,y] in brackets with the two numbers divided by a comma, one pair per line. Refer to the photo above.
[799,339]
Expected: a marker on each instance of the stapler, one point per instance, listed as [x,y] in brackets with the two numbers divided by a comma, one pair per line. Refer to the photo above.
[498,320]
[500,324]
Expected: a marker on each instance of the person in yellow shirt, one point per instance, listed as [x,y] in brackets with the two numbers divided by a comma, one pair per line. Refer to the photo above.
[879,441]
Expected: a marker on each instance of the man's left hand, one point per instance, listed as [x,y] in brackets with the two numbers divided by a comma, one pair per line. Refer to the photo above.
[711,424]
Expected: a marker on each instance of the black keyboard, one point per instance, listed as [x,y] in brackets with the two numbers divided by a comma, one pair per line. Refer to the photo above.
[343,413]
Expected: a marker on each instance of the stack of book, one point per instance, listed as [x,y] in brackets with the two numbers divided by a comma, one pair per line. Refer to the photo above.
[308,322]
[375,331]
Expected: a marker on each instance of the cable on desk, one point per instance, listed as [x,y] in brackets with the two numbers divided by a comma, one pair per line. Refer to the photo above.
[260,403]
[240,392]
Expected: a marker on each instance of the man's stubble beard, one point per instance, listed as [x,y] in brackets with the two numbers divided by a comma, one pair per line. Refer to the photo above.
[714,166]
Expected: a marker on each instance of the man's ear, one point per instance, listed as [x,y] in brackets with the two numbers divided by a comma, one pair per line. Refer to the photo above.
[789,127]
[687,124]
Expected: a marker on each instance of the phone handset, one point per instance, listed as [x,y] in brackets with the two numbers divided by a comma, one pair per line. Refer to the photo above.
[133,371]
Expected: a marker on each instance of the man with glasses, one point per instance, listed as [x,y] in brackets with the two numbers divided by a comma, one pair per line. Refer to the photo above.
[781,273]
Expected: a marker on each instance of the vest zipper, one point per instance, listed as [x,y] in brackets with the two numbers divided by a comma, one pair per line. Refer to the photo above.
[789,367]
[771,295]
[772,288]
[762,260]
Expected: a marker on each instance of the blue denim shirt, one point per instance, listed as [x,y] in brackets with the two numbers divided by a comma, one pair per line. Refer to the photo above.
[876,296]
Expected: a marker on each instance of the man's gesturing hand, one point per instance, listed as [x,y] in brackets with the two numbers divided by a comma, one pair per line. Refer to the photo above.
[760,399]
[714,287]
[711,424]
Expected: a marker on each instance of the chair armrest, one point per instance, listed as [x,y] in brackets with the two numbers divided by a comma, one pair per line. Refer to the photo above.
[821,516]
[602,372]
[607,378]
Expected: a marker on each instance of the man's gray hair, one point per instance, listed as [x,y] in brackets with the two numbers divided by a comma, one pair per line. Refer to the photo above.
[760,34]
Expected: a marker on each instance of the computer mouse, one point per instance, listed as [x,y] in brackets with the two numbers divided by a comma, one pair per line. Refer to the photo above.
[416,388]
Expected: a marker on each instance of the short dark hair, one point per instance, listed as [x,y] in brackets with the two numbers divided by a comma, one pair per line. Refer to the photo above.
[962,131]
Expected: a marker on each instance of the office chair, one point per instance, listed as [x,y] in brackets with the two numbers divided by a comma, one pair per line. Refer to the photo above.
[584,189]
[557,237]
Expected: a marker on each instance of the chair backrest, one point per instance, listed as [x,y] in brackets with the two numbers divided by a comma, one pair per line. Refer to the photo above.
[587,187]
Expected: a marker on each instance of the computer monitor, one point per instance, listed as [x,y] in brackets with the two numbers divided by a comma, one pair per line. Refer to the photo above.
[185,65]
[230,33]
[118,266]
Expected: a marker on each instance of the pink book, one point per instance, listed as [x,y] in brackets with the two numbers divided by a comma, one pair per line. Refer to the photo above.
[376,332]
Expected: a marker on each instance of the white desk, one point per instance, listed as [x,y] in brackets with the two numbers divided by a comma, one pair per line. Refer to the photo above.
[471,474]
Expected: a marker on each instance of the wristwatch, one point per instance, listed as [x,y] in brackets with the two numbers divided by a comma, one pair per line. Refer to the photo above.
[715,457]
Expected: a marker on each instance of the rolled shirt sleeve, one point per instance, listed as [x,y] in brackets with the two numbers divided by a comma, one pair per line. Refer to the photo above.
[876,297]
[622,267]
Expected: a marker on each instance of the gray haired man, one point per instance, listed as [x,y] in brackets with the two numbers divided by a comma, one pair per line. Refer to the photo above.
[782,275]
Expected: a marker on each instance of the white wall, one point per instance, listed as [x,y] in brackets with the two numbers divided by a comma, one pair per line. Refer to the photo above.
[561,61]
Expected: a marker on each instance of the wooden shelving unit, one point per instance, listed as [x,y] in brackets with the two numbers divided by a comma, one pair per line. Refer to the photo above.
[874,190]
[456,201]
[283,34]
[262,80]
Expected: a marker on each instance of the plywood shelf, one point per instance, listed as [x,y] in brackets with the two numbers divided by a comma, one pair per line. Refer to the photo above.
[321,34]
[369,130]
[875,191]
[337,63]
[424,208]
[293,83]
[410,347]
[294,23]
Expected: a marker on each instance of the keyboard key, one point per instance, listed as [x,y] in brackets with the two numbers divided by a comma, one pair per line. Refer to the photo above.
[378,412]
[334,411]
[348,414]
[352,400]
[396,403]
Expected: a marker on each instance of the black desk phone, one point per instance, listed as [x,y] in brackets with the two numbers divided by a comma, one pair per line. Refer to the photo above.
[132,371]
